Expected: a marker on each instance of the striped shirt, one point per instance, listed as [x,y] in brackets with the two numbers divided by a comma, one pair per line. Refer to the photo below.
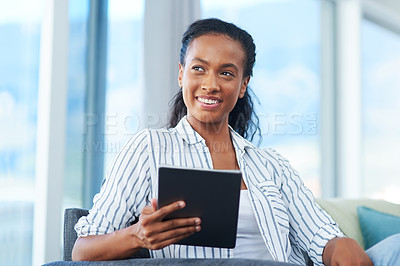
[287,215]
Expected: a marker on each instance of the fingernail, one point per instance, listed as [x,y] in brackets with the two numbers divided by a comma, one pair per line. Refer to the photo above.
[197,228]
[181,204]
[197,221]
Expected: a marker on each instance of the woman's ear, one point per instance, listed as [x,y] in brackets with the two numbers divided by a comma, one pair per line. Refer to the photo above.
[243,87]
[180,75]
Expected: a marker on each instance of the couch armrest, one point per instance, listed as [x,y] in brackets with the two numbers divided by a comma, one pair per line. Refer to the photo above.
[344,212]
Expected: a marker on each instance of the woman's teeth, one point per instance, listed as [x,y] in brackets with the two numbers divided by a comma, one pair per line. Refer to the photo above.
[207,101]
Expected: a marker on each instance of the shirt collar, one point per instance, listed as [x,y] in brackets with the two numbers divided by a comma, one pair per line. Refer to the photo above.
[192,137]
[187,132]
[239,142]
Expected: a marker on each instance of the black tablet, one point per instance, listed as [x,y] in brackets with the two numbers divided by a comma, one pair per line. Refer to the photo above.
[212,195]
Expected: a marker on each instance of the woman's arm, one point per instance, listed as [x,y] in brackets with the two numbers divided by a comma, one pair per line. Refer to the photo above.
[344,251]
[338,250]
[149,232]
[115,245]
[310,227]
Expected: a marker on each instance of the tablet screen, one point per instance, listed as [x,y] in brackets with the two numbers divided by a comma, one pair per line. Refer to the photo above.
[212,195]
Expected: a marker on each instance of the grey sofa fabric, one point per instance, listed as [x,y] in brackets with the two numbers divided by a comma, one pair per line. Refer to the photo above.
[170,262]
[71,217]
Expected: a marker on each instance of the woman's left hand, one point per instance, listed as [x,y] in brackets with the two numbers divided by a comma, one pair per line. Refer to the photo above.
[344,251]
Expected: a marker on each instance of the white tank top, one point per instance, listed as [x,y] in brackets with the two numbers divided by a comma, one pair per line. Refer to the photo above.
[249,242]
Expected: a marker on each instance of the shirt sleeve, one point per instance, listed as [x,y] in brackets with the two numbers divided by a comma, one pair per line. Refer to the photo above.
[310,226]
[123,193]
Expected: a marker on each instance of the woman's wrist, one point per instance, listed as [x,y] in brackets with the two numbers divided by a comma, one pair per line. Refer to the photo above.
[129,237]
[328,250]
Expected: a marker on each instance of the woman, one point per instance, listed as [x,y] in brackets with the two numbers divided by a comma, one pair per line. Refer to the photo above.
[215,66]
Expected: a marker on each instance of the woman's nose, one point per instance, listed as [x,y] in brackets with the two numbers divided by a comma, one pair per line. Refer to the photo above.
[210,83]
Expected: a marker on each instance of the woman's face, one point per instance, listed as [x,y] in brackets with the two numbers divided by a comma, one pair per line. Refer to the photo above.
[212,78]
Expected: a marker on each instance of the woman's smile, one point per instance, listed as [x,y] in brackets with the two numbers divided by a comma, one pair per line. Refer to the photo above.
[208,102]
[212,78]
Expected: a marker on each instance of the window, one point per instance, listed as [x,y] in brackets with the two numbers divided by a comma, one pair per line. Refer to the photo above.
[19,53]
[380,112]
[78,21]
[124,75]
[286,75]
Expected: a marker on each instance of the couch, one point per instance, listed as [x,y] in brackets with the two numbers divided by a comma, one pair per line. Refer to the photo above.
[72,215]
[343,211]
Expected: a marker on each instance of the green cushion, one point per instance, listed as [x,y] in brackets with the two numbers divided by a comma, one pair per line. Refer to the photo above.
[376,226]
[344,212]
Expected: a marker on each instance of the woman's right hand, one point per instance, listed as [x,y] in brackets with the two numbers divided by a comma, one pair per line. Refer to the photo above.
[149,232]
[154,233]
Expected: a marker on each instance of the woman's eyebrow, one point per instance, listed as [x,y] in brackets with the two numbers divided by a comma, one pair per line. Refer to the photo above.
[223,66]
[200,60]
[231,65]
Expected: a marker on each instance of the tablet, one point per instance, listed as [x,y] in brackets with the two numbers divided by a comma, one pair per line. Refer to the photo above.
[212,195]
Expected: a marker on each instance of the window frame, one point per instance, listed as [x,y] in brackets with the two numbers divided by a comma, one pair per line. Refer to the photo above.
[51,128]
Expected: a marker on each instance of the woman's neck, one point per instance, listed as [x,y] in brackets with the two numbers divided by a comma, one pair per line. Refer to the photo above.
[211,132]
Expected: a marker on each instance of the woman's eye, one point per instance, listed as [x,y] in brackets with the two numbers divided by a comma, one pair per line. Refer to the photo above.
[198,68]
[227,74]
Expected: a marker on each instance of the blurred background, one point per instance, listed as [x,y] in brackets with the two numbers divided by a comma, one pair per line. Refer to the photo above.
[78,78]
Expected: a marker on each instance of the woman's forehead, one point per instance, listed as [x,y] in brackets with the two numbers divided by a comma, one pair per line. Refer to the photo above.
[215,46]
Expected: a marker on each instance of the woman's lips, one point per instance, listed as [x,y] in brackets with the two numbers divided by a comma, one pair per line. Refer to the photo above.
[208,102]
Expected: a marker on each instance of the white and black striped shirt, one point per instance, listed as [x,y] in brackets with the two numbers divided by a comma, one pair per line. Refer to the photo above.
[285,210]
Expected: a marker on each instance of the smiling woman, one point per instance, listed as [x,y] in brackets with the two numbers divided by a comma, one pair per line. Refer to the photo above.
[214,71]
[233,69]
[212,79]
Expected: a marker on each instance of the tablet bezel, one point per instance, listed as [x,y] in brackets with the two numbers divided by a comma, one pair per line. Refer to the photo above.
[212,195]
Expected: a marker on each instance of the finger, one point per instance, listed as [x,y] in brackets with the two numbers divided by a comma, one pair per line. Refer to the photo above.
[154,203]
[164,211]
[177,223]
[176,233]
[160,240]
[153,228]
[170,241]
[147,210]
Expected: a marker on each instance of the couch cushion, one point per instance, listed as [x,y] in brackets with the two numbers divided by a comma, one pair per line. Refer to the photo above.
[376,226]
[344,212]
